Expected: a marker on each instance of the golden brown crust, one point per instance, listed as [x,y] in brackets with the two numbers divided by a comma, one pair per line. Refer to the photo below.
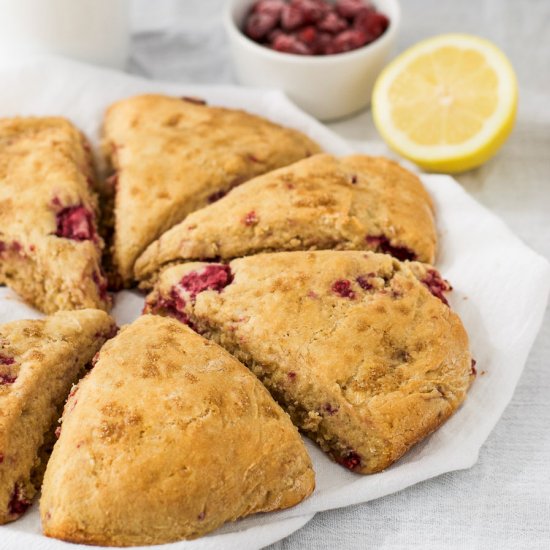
[355,347]
[354,203]
[45,171]
[168,438]
[39,360]
[173,156]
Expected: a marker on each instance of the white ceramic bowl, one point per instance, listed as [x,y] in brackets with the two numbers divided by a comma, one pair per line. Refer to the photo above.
[329,86]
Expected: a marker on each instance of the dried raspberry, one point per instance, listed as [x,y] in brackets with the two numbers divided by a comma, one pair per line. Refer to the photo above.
[332,23]
[251,218]
[290,44]
[3,247]
[381,243]
[6,360]
[350,8]
[363,282]
[76,223]
[473,369]
[172,306]
[18,504]
[168,307]
[324,42]
[1,458]
[58,432]
[292,17]
[213,277]
[342,287]
[272,36]
[436,285]
[56,202]
[308,35]
[271,7]
[292,375]
[372,23]
[312,10]
[7,379]
[350,460]
[330,409]
[353,179]
[177,299]
[348,40]
[259,25]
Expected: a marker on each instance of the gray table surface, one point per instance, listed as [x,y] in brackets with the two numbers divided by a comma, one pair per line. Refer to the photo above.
[504,500]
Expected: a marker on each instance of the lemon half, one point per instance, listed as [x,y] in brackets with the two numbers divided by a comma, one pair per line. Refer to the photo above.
[448,103]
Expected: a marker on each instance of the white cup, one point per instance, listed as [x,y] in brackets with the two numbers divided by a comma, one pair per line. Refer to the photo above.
[97,31]
[326,86]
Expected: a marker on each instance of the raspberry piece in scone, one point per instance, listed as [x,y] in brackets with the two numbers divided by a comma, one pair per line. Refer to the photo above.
[76,223]
[172,157]
[50,250]
[213,277]
[175,428]
[358,347]
[357,202]
[39,361]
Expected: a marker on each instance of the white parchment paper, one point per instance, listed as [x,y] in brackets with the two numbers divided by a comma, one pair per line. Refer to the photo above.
[501,291]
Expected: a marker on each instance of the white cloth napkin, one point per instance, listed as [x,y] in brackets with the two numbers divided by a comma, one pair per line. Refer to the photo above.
[501,291]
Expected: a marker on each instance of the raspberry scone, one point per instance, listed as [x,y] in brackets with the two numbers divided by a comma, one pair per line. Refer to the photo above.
[356,202]
[39,361]
[50,251]
[168,438]
[358,347]
[170,156]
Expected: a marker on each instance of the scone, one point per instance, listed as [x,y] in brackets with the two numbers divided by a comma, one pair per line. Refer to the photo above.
[168,438]
[171,156]
[39,361]
[50,251]
[354,345]
[356,202]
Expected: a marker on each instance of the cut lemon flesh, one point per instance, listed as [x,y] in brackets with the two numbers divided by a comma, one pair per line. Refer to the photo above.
[448,103]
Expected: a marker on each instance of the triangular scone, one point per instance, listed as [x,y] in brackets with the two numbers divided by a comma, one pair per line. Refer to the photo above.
[168,438]
[356,203]
[50,251]
[39,361]
[171,156]
[354,345]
